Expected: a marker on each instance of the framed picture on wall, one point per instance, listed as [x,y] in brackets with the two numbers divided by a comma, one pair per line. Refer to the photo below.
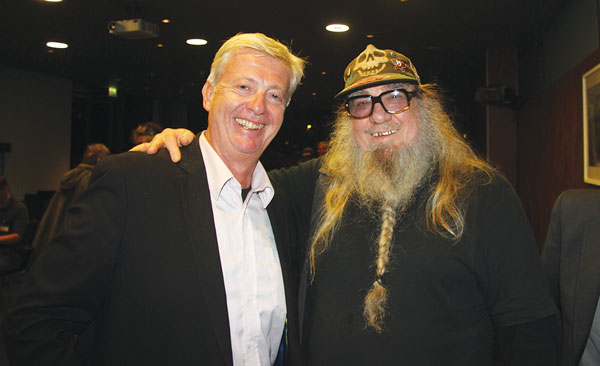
[591,126]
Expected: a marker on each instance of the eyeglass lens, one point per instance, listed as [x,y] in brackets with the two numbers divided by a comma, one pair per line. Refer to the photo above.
[393,101]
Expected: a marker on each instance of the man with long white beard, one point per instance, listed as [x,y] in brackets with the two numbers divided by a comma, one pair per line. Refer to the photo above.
[419,251]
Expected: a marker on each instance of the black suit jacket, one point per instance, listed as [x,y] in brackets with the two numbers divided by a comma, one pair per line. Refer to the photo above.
[136,278]
[570,257]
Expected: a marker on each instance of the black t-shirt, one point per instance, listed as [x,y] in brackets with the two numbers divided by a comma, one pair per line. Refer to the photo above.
[445,299]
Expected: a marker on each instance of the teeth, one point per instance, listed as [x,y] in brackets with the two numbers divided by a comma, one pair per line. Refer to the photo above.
[249,125]
[386,133]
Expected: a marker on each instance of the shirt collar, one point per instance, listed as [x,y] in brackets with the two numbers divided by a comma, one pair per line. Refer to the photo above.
[219,175]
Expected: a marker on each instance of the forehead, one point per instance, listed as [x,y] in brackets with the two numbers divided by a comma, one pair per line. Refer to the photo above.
[249,57]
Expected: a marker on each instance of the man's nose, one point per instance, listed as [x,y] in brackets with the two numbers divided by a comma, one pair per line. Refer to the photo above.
[379,114]
[257,103]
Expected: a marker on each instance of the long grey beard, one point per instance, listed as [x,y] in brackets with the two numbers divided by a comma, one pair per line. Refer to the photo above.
[392,177]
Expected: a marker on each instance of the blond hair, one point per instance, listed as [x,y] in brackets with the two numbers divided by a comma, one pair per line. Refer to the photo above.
[457,169]
[261,43]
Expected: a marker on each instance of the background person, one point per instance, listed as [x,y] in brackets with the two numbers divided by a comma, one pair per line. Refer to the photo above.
[70,187]
[13,216]
[570,258]
[144,132]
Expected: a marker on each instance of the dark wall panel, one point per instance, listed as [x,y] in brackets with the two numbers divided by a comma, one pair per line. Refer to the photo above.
[550,146]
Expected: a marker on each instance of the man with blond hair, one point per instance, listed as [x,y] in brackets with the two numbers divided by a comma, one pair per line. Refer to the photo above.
[419,251]
[189,264]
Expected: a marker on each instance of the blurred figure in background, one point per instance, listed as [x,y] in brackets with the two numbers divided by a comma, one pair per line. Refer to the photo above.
[322,147]
[13,216]
[144,133]
[570,258]
[71,185]
[14,219]
[307,154]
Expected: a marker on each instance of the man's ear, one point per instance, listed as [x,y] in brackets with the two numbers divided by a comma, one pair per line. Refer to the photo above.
[207,94]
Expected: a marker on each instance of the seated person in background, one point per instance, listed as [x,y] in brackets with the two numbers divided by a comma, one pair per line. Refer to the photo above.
[419,252]
[571,258]
[71,186]
[144,133]
[14,216]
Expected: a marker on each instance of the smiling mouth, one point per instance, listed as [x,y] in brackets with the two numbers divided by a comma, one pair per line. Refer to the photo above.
[385,133]
[247,125]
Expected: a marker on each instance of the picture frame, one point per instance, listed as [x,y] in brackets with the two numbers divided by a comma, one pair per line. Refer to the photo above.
[591,126]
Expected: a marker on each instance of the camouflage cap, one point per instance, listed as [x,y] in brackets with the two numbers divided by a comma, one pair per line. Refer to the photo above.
[376,67]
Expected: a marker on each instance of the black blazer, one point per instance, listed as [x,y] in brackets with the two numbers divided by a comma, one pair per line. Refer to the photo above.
[570,257]
[136,277]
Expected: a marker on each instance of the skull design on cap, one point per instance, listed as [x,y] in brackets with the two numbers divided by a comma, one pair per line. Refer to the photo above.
[370,62]
[375,67]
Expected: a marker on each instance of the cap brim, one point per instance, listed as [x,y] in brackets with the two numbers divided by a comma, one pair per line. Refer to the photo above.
[378,80]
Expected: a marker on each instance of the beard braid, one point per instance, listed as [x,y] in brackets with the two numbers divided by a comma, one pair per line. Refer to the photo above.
[388,180]
[383,180]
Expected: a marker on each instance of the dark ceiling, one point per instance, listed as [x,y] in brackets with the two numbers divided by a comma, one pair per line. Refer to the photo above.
[445,39]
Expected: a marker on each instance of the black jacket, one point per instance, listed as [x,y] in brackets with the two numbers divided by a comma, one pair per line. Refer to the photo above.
[135,278]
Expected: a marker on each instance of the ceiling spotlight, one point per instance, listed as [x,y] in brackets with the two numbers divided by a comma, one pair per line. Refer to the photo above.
[53,1]
[337,28]
[370,36]
[166,21]
[159,45]
[56,45]
[196,42]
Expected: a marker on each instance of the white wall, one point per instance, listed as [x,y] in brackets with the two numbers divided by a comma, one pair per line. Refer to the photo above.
[35,118]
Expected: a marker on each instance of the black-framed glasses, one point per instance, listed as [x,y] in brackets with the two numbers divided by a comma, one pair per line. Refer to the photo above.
[393,101]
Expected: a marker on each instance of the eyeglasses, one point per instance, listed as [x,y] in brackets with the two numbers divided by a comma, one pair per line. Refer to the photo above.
[393,101]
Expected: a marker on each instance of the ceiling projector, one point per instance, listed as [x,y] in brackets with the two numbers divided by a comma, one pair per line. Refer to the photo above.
[133,29]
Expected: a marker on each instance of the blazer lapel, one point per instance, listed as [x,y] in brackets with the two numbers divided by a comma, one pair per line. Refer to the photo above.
[200,229]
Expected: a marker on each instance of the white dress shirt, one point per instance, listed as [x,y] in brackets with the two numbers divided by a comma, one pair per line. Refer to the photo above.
[249,261]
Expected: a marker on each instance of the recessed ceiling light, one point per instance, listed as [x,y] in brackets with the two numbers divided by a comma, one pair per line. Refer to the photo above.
[337,28]
[196,42]
[159,45]
[370,36]
[166,20]
[52,44]
[112,91]
[53,1]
